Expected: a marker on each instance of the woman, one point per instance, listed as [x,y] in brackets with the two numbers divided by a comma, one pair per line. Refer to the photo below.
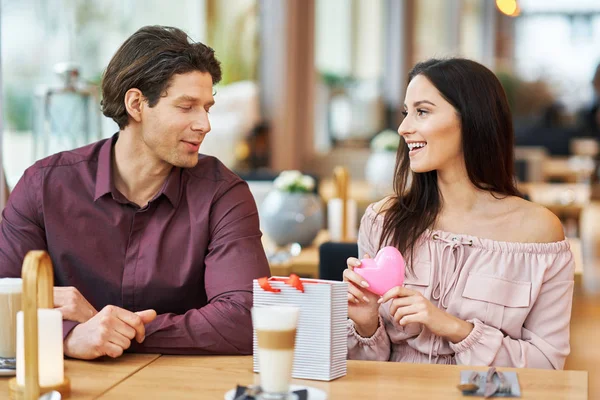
[489,275]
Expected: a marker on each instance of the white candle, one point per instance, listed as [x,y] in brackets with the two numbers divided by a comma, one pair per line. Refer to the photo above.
[50,348]
[334,219]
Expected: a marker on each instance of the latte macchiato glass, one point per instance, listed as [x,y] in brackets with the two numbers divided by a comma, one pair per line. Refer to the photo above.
[10,304]
[276,333]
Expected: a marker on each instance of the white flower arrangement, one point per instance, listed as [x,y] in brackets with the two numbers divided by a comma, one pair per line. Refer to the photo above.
[386,140]
[294,182]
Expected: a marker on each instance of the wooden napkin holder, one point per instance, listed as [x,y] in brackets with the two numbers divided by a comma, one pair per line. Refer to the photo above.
[38,286]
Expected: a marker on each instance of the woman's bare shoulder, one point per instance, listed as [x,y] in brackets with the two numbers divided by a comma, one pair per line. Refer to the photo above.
[537,223]
[383,205]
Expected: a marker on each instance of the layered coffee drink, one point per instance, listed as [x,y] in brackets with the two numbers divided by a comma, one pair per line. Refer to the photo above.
[10,304]
[276,334]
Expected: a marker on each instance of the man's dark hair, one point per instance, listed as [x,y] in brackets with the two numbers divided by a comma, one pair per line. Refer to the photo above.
[147,61]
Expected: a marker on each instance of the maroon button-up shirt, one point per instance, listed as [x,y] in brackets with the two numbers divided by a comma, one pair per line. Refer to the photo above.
[191,254]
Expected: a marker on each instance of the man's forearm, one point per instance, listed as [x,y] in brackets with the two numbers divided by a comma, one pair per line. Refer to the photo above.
[222,327]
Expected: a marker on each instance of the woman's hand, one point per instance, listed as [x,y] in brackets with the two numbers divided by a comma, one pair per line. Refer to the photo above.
[363,307]
[409,306]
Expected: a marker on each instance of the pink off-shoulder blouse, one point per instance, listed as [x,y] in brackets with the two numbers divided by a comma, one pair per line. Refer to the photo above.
[517,295]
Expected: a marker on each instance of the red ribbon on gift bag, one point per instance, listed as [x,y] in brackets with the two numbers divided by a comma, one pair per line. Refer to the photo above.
[294,281]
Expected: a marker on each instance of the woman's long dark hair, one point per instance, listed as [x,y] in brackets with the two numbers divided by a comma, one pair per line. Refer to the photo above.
[487,144]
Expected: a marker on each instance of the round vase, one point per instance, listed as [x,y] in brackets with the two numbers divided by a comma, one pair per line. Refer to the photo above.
[291,217]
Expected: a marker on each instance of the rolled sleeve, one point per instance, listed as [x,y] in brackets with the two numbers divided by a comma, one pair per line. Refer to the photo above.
[374,348]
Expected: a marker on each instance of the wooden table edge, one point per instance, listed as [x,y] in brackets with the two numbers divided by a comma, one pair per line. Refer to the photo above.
[141,367]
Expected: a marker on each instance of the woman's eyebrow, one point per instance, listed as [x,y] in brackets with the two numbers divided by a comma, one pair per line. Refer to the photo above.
[418,103]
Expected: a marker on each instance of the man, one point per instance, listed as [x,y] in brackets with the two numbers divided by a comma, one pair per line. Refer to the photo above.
[140,224]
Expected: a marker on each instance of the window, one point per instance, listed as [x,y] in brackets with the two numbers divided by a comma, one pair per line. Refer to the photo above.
[37,34]
[557,42]
[349,42]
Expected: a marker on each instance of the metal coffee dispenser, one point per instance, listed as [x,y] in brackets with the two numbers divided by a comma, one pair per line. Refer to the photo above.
[67,115]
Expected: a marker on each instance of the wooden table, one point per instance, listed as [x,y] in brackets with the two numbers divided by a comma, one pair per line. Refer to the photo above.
[566,200]
[209,377]
[90,379]
[305,264]
[559,168]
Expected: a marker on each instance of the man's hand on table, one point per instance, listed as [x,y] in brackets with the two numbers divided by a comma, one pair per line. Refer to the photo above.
[73,306]
[108,333]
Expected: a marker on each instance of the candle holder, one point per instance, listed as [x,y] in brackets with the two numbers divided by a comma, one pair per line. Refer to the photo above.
[341,209]
[38,286]
[341,180]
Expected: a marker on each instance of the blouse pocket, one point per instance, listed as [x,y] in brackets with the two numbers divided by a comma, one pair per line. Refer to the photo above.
[420,278]
[497,300]
[419,281]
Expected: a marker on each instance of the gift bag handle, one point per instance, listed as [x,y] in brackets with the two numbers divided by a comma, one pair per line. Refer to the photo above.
[293,280]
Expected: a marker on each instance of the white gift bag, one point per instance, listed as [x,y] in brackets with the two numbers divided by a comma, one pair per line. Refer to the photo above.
[321,337]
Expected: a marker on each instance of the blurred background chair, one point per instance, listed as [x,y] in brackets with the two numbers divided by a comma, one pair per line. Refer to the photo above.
[332,259]
[529,163]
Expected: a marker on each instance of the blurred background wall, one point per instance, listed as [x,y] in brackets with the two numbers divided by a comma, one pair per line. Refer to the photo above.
[341,66]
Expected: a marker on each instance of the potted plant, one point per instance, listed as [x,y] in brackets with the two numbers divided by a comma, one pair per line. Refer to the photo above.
[292,212]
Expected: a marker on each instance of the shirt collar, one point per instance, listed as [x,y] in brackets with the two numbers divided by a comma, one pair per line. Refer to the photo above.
[171,187]
[105,183]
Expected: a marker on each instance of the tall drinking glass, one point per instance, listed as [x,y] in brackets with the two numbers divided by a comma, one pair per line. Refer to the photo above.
[10,304]
[276,333]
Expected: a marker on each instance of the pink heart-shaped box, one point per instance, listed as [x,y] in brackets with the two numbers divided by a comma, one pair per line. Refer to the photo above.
[383,272]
